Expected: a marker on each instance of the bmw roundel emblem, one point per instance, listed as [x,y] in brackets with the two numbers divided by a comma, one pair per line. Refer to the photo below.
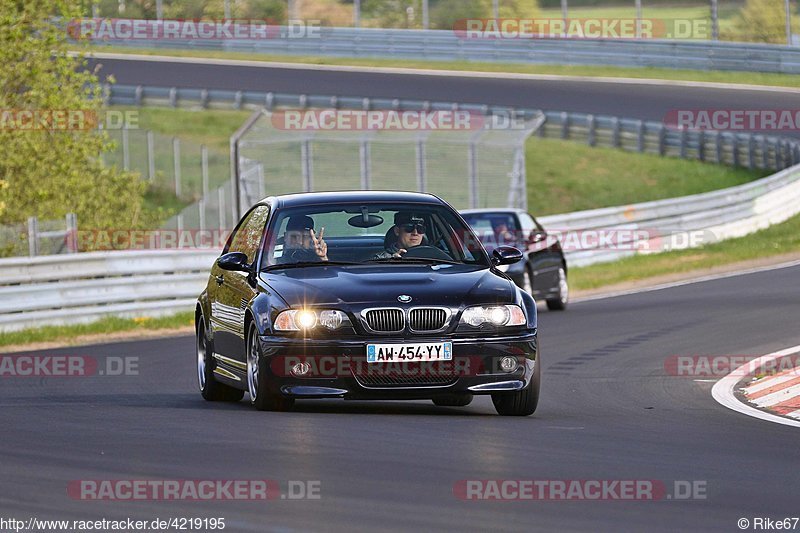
[404,298]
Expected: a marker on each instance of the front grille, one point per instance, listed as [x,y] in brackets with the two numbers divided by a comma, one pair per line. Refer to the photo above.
[385,320]
[409,374]
[427,319]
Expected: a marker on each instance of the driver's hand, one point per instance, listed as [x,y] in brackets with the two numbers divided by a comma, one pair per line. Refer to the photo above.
[400,253]
[320,246]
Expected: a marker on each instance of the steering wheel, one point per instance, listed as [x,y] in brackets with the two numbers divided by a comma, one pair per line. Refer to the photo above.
[427,252]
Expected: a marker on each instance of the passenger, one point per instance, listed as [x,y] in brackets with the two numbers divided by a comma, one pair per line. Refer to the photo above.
[409,232]
[301,244]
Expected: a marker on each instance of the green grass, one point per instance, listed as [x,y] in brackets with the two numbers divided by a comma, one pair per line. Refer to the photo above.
[776,240]
[103,326]
[565,176]
[751,78]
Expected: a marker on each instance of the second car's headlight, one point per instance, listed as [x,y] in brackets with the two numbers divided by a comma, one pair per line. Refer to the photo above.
[495,315]
[308,319]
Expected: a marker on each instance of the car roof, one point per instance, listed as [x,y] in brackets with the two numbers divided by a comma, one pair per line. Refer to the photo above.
[490,210]
[317,198]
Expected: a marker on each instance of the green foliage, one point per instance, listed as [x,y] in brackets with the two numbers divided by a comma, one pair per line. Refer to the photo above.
[761,21]
[50,171]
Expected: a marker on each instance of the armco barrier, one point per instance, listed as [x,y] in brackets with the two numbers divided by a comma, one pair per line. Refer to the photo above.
[446,45]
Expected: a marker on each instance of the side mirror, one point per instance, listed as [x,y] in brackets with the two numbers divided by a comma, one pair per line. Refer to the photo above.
[537,236]
[234,261]
[506,255]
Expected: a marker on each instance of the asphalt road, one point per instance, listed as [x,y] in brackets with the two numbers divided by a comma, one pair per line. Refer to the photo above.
[643,101]
[608,411]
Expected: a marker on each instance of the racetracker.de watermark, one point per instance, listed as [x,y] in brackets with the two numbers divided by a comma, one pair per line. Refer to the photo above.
[123,29]
[392,120]
[44,365]
[733,119]
[718,366]
[582,28]
[193,489]
[578,490]
[67,119]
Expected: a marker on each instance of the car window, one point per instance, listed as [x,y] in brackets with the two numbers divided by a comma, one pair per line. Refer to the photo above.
[494,228]
[247,237]
[363,233]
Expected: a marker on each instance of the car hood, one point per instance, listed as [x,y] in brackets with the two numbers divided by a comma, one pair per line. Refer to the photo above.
[362,286]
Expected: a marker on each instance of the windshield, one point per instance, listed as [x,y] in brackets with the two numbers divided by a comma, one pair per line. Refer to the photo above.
[370,233]
[494,229]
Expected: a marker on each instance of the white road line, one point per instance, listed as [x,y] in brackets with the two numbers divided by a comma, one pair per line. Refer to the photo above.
[771,382]
[778,396]
[440,73]
[701,279]
[722,392]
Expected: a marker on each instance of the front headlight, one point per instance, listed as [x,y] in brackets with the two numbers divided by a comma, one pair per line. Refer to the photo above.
[308,319]
[495,315]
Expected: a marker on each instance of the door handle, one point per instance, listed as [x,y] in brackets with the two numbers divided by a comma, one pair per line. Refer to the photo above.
[220,280]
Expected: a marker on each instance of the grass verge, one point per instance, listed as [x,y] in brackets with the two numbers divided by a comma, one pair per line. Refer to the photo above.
[100,329]
[749,78]
[776,240]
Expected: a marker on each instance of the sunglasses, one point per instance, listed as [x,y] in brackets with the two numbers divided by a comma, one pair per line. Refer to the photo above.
[409,228]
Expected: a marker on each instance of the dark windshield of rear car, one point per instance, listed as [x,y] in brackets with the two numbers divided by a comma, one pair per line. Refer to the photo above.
[494,228]
[366,233]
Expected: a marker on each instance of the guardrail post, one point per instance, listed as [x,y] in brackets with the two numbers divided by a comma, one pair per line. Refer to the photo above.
[421,185]
[591,134]
[204,98]
[717,147]
[173,96]
[33,236]
[796,152]
[662,140]
[564,125]
[269,101]
[615,133]
[751,148]
[72,233]
[735,150]
[640,136]
[365,165]
[684,142]
[176,161]
[762,147]
[137,95]
[701,145]
[237,100]
[151,156]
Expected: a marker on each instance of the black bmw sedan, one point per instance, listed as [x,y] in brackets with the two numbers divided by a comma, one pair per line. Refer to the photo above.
[543,270]
[364,295]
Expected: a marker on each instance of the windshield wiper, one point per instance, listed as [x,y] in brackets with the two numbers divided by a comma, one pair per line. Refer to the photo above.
[301,264]
[425,260]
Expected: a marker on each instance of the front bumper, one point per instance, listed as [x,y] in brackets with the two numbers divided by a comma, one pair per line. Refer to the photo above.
[338,368]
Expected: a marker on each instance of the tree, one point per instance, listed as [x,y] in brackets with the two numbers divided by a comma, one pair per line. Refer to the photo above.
[761,21]
[52,170]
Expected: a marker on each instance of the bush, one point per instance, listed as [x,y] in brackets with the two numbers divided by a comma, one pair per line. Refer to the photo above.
[761,21]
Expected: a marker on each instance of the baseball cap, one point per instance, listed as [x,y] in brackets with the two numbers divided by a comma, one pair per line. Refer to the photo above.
[300,223]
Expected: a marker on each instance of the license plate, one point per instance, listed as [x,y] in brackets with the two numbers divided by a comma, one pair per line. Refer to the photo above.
[434,351]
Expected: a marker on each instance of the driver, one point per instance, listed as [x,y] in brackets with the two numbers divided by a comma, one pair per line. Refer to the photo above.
[409,228]
[301,244]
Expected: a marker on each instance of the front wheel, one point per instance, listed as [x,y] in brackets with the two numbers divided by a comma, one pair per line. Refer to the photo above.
[260,398]
[520,403]
[210,388]
[560,303]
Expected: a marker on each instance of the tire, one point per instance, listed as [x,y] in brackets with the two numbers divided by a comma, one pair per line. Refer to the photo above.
[560,303]
[257,385]
[453,400]
[520,403]
[210,388]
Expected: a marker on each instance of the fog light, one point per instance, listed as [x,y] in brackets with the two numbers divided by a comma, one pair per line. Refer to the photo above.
[301,369]
[508,364]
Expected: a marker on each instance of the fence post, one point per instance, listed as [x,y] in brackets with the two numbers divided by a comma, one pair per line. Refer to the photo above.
[591,125]
[684,143]
[72,233]
[33,236]
[718,147]
[126,154]
[751,148]
[701,145]
[151,156]
[735,150]
[306,164]
[662,140]
[564,125]
[173,97]
[221,202]
[204,168]
[176,161]
[421,185]
[473,176]
[364,156]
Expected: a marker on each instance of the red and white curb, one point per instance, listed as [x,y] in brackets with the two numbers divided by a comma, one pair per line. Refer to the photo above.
[774,398]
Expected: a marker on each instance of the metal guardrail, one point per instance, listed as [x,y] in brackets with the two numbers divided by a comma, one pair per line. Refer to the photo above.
[447,45]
